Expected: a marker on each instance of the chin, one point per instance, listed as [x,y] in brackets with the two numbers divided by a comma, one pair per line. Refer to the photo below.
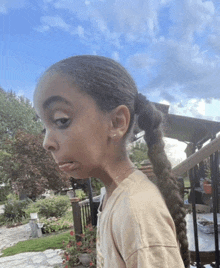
[78,175]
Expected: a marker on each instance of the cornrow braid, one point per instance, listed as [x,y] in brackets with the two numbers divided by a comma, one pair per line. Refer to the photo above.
[150,120]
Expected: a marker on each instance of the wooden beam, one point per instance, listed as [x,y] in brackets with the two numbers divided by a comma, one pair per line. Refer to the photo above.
[197,157]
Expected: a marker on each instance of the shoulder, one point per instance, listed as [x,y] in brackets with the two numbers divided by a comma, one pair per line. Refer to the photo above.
[138,193]
[141,213]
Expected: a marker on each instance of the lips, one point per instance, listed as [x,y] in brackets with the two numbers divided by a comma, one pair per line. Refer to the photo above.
[67,166]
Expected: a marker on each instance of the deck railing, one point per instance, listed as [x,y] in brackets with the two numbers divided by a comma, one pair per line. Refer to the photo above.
[191,165]
[84,214]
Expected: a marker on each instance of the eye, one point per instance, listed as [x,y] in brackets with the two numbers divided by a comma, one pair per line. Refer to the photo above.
[62,122]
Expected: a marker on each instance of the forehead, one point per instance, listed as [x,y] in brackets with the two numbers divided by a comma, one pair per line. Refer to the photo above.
[55,88]
[51,84]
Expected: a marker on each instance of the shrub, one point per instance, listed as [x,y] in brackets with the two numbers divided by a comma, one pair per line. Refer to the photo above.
[2,219]
[55,224]
[15,210]
[97,184]
[87,244]
[80,194]
[51,207]
[4,191]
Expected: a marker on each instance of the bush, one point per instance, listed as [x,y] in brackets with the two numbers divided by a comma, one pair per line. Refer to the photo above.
[55,224]
[15,210]
[81,194]
[97,184]
[51,207]
[87,244]
[4,191]
[2,219]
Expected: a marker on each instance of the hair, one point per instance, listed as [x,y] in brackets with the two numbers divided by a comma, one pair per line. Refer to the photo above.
[110,85]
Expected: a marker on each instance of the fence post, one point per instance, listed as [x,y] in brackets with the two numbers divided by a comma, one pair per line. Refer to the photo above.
[76,217]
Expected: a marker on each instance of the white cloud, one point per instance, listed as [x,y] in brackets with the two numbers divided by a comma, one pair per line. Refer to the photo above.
[52,22]
[141,61]
[189,17]
[111,18]
[80,31]
[20,92]
[175,151]
[3,9]
[115,55]
[165,102]
[214,37]
[191,108]
[197,108]
[186,66]
[6,5]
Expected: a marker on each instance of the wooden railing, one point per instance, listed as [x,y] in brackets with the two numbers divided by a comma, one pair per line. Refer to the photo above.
[84,213]
[191,166]
[197,157]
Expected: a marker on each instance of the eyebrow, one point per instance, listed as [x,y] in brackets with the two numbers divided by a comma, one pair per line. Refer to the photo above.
[55,99]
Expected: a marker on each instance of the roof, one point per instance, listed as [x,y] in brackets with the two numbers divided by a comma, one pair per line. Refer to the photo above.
[186,129]
[189,129]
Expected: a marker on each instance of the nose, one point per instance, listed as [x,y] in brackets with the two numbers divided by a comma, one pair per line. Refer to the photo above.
[50,143]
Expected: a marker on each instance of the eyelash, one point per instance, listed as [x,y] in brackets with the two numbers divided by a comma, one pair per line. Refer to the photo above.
[62,122]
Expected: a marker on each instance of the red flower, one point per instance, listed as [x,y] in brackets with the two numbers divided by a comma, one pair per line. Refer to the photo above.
[72,233]
[79,243]
[91,264]
[66,266]
[67,258]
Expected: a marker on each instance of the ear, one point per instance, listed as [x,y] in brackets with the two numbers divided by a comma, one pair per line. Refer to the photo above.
[120,120]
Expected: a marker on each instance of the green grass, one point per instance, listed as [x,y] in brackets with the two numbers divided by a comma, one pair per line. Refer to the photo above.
[54,241]
[2,203]
[186,184]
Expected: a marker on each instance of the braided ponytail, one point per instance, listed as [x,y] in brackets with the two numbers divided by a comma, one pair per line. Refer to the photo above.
[149,120]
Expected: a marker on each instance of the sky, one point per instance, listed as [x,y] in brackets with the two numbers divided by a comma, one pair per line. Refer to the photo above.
[170,47]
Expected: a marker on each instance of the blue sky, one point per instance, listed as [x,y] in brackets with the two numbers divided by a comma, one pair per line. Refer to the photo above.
[170,47]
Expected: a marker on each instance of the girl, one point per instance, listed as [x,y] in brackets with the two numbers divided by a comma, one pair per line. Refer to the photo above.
[88,105]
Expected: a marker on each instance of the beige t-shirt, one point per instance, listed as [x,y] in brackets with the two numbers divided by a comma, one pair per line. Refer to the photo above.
[135,229]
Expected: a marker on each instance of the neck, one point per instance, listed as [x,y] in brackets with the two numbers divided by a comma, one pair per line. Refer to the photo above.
[115,174]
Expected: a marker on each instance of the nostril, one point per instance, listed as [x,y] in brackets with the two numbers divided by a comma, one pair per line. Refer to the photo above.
[50,148]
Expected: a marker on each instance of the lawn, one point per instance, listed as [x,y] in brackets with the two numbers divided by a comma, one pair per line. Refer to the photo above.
[54,241]
[186,184]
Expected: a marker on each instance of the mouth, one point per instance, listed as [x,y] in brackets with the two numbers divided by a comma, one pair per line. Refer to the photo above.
[67,166]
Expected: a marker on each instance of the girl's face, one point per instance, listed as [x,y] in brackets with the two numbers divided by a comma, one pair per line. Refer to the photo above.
[76,130]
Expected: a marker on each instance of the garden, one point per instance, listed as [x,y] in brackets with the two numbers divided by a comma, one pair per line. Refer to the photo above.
[56,217]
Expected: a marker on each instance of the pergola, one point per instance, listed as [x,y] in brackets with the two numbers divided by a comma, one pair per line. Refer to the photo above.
[193,131]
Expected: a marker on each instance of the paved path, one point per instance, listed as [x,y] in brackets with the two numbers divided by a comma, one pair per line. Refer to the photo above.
[11,236]
[48,258]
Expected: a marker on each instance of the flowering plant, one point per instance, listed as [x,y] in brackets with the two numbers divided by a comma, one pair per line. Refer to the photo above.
[86,244]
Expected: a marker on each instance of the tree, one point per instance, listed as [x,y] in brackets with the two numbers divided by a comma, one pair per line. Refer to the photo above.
[30,168]
[16,113]
[138,153]
[24,164]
